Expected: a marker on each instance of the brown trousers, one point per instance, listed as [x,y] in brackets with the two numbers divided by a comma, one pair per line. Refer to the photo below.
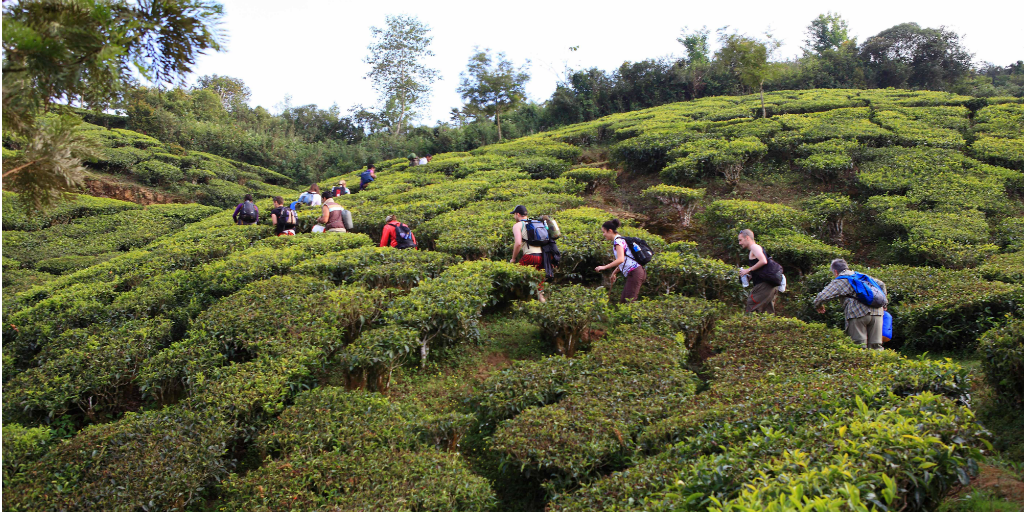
[631,290]
[762,299]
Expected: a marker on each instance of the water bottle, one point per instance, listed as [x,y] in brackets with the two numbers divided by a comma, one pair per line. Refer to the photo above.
[782,286]
[744,280]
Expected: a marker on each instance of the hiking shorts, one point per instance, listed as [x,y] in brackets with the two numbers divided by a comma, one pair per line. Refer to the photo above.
[535,261]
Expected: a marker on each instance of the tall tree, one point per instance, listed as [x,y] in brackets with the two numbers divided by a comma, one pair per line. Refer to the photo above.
[57,51]
[399,75]
[698,59]
[492,86]
[747,58]
[907,55]
[826,32]
[233,92]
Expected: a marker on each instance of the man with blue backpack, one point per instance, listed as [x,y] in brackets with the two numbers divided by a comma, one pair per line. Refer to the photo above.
[864,303]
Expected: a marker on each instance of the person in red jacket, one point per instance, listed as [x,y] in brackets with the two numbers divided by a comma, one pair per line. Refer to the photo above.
[390,235]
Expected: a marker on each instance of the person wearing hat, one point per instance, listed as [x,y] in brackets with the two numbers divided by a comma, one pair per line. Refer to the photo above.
[532,256]
[396,234]
[340,189]
[413,160]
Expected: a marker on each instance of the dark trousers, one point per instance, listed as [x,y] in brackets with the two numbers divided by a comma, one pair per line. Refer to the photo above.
[631,290]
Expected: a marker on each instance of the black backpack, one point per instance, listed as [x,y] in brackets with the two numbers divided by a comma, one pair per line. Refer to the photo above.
[287,218]
[403,234]
[337,191]
[770,273]
[641,252]
[537,233]
[248,213]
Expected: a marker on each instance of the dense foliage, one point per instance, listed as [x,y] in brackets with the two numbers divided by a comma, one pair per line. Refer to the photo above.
[161,357]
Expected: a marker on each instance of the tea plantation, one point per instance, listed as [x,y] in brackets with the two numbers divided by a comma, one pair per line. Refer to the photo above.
[161,358]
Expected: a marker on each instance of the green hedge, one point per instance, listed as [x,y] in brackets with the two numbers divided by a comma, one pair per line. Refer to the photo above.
[1008,268]
[379,267]
[388,481]
[16,216]
[726,217]
[158,459]
[1002,351]
[370,360]
[799,252]
[566,317]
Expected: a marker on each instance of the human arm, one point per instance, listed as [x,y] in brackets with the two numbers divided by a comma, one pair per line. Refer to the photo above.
[234,216]
[837,288]
[387,235]
[517,234]
[326,214]
[620,258]
[762,260]
[273,218]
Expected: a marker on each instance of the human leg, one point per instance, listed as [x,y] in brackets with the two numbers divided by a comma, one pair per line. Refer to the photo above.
[762,299]
[857,328]
[874,332]
[631,290]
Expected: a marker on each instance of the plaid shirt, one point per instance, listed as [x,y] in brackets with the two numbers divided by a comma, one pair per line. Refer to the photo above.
[852,308]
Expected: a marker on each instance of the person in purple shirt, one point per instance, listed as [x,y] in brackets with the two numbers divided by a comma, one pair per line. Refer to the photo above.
[247,212]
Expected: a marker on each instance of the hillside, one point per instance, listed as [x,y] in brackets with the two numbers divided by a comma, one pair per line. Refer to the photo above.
[158,357]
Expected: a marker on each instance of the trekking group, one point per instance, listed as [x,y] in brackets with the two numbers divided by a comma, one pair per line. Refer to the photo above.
[864,299]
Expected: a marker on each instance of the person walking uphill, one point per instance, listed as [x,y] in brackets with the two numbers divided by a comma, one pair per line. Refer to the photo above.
[246,213]
[864,303]
[625,262]
[333,216]
[396,234]
[283,218]
[763,271]
[367,176]
[532,255]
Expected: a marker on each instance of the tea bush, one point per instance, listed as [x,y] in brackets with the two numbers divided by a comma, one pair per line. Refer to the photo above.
[675,272]
[22,445]
[1008,268]
[391,480]
[704,158]
[726,217]
[592,178]
[509,281]
[16,216]
[1002,351]
[684,200]
[370,360]
[158,459]
[911,132]
[672,316]
[797,251]
[566,317]
[828,160]
[379,267]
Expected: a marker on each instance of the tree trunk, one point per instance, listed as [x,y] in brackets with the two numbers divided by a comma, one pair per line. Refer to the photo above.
[764,113]
[498,116]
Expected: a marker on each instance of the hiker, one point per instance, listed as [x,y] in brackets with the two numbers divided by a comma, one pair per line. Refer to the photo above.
[367,176]
[424,160]
[246,213]
[531,253]
[863,321]
[283,218]
[413,161]
[333,218]
[765,274]
[397,234]
[624,262]
[340,189]
[312,196]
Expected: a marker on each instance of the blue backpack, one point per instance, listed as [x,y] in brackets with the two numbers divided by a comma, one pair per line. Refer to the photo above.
[866,290]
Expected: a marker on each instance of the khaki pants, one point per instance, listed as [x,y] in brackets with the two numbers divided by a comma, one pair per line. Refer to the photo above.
[866,330]
[762,299]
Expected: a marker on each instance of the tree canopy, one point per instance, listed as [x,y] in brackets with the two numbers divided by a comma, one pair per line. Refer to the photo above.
[400,76]
[493,85]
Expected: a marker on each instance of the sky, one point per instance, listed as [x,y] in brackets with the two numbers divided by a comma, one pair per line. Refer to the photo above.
[314,50]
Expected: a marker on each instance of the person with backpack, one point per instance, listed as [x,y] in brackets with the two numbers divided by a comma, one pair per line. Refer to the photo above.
[530,241]
[312,196]
[283,218]
[397,234]
[340,189]
[765,273]
[626,261]
[246,213]
[333,217]
[864,303]
[367,176]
